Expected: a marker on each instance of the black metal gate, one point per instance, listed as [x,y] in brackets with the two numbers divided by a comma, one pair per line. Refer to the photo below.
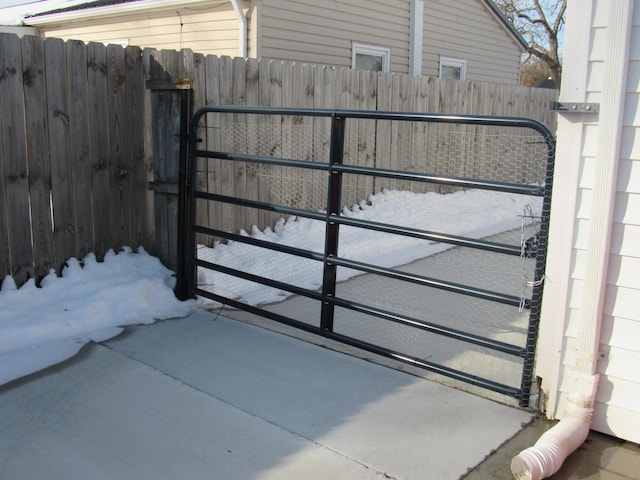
[348,155]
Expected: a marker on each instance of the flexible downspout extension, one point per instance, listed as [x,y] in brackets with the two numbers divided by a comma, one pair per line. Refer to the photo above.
[548,454]
[550,451]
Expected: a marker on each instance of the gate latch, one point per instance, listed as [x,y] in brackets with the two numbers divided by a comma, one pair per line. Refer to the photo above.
[569,107]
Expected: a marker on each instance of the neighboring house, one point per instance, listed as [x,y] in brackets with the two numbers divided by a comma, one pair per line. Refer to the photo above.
[19,31]
[591,306]
[466,39]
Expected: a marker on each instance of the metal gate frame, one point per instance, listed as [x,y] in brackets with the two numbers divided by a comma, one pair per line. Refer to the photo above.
[189,263]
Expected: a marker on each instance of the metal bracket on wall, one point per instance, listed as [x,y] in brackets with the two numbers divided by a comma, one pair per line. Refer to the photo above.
[569,107]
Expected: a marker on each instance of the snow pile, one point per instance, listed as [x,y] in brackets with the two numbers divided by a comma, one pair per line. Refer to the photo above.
[92,301]
[471,213]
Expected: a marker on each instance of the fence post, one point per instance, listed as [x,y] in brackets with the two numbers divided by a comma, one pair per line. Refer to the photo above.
[186,204]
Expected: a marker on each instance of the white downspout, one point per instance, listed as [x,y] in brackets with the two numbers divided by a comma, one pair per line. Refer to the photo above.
[416,40]
[242,28]
[548,454]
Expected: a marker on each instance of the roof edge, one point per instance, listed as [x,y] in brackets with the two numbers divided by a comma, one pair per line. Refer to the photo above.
[511,29]
[114,9]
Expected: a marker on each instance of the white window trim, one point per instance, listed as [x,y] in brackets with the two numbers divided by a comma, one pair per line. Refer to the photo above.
[363,49]
[456,63]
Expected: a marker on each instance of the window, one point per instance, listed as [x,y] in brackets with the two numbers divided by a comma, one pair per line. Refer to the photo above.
[367,57]
[453,68]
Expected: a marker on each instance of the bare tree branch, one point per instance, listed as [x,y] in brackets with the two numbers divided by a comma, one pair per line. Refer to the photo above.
[540,22]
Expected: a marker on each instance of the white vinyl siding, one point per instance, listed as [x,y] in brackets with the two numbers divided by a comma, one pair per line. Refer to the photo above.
[323,31]
[464,29]
[617,410]
[208,30]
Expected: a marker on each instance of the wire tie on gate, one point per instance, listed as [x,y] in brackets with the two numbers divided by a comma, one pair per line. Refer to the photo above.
[523,298]
[523,302]
[536,283]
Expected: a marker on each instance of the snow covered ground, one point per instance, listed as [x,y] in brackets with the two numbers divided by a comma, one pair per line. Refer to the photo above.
[93,300]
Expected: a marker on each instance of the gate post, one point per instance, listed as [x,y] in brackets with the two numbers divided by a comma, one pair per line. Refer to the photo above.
[171,106]
[334,200]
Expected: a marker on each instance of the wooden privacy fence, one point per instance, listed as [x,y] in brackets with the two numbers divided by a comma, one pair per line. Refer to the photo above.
[477,152]
[72,167]
[91,139]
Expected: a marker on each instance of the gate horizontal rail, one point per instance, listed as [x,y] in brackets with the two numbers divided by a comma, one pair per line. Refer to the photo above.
[334,170]
[432,327]
[428,282]
[381,172]
[377,226]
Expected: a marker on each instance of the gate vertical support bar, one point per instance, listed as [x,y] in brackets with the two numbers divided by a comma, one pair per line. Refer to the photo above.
[184,273]
[334,201]
[541,260]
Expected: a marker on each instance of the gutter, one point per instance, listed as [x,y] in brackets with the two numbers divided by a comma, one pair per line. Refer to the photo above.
[548,454]
[511,30]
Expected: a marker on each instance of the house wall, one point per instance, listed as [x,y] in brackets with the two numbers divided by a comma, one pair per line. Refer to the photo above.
[465,30]
[19,31]
[204,29]
[618,408]
[590,146]
[313,31]
[318,32]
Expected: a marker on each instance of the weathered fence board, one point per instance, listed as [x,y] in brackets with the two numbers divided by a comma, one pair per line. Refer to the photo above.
[137,170]
[15,164]
[80,163]
[98,94]
[59,151]
[117,143]
[210,172]
[33,68]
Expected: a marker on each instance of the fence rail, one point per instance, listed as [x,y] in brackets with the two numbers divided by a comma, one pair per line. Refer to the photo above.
[89,156]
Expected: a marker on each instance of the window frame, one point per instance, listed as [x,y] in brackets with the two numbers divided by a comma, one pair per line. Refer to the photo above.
[372,50]
[454,63]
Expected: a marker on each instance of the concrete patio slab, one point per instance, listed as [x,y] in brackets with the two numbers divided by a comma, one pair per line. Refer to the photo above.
[209,397]
[106,416]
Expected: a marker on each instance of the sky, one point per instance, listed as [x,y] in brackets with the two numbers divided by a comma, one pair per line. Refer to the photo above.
[93,301]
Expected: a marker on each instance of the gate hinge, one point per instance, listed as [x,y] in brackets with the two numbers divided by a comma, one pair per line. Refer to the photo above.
[571,107]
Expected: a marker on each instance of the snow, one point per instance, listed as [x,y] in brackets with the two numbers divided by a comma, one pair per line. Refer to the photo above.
[93,301]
